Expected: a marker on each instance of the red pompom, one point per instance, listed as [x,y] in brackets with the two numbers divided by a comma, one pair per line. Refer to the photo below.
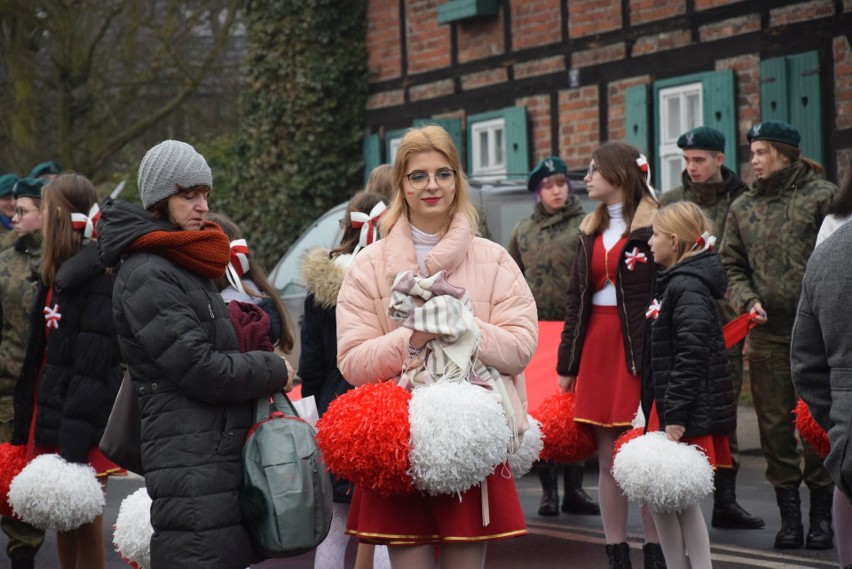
[364,437]
[810,430]
[625,438]
[564,440]
[13,459]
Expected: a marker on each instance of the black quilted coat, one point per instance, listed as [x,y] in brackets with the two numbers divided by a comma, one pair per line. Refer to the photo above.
[689,367]
[82,370]
[197,396]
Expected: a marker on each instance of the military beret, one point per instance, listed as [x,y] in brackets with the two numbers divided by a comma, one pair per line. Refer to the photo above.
[702,138]
[29,187]
[45,169]
[7,182]
[547,167]
[775,131]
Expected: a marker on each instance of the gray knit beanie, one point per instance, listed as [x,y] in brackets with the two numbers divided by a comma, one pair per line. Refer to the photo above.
[170,164]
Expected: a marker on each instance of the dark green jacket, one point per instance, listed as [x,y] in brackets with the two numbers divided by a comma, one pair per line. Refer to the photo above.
[544,246]
[769,236]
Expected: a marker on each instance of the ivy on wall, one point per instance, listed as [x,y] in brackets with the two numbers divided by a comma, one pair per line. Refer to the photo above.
[302,113]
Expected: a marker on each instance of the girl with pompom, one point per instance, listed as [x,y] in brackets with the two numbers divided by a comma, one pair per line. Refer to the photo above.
[72,370]
[690,395]
[431,227]
[601,354]
[323,271]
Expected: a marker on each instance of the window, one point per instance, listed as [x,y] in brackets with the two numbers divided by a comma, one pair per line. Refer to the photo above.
[392,141]
[681,109]
[462,10]
[497,143]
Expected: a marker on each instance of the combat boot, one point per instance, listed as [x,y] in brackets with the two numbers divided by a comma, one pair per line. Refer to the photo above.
[575,500]
[791,534]
[653,556]
[618,555]
[549,477]
[820,533]
[727,514]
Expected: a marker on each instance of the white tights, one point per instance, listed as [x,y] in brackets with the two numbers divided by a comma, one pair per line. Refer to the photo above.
[682,532]
[331,553]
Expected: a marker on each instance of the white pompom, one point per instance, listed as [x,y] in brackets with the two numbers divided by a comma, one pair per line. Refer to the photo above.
[521,460]
[459,434]
[51,493]
[666,475]
[133,531]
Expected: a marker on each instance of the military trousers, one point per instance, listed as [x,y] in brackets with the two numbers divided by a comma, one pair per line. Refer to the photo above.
[774,401]
[24,539]
[735,364]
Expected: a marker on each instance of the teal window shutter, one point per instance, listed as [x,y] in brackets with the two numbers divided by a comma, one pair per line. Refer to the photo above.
[461,10]
[790,91]
[636,117]
[720,110]
[517,155]
[452,126]
[371,149]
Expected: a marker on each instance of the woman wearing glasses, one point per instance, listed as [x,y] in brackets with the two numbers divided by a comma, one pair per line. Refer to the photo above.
[600,357]
[430,227]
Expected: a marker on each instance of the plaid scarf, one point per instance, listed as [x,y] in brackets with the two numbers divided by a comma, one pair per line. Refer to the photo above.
[206,252]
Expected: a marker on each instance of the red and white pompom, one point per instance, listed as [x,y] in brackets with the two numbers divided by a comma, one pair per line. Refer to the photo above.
[51,493]
[810,430]
[364,437]
[13,458]
[666,475]
[132,532]
[625,438]
[564,440]
[521,460]
[459,434]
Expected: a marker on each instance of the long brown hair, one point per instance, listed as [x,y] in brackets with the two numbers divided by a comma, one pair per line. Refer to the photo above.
[67,194]
[793,153]
[363,202]
[257,275]
[617,164]
[418,140]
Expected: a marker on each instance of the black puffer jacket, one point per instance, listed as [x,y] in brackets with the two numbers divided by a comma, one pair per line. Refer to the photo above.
[689,367]
[82,369]
[197,396]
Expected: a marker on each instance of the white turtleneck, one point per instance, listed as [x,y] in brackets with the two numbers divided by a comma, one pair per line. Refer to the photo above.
[611,235]
[423,243]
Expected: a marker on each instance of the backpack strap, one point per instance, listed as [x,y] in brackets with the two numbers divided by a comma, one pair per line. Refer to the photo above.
[278,401]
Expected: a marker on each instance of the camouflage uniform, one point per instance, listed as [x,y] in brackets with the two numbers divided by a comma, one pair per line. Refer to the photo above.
[769,236]
[16,295]
[544,246]
[715,199]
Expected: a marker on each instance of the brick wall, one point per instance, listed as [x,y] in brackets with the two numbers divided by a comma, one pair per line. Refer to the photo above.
[538,115]
[385,56]
[579,120]
[535,22]
[644,11]
[589,17]
[428,42]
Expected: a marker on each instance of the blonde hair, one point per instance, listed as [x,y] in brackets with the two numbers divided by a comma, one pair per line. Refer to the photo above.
[687,222]
[418,140]
[381,181]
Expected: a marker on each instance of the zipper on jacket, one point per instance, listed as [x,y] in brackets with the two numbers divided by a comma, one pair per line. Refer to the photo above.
[626,317]
[210,309]
[580,308]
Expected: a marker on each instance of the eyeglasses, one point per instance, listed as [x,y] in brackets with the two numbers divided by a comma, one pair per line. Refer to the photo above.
[420,180]
[592,169]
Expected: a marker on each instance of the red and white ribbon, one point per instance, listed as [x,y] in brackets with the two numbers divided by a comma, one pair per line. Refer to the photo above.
[239,264]
[653,310]
[633,257]
[705,242]
[368,223]
[87,223]
[52,316]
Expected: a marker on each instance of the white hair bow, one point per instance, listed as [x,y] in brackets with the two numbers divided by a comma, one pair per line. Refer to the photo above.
[239,264]
[368,224]
[705,242]
[87,222]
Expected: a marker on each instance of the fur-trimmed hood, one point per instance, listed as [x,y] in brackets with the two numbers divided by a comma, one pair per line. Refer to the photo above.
[323,275]
[642,218]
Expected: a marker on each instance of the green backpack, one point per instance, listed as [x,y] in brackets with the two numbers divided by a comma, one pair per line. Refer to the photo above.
[286,494]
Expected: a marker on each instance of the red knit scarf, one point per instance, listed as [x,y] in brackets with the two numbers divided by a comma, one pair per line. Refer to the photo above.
[206,252]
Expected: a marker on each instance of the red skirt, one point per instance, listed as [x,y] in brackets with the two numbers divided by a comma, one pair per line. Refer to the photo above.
[418,518]
[715,447]
[607,395]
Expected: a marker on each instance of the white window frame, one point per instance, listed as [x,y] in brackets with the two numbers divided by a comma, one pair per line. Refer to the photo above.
[669,152]
[393,148]
[493,154]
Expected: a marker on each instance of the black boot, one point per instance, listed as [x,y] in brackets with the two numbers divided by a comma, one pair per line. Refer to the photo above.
[653,554]
[820,534]
[791,534]
[23,563]
[549,477]
[575,500]
[618,555]
[727,513]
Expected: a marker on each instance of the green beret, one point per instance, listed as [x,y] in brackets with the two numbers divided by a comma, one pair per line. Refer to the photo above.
[7,182]
[29,187]
[547,167]
[702,138]
[45,168]
[775,131]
